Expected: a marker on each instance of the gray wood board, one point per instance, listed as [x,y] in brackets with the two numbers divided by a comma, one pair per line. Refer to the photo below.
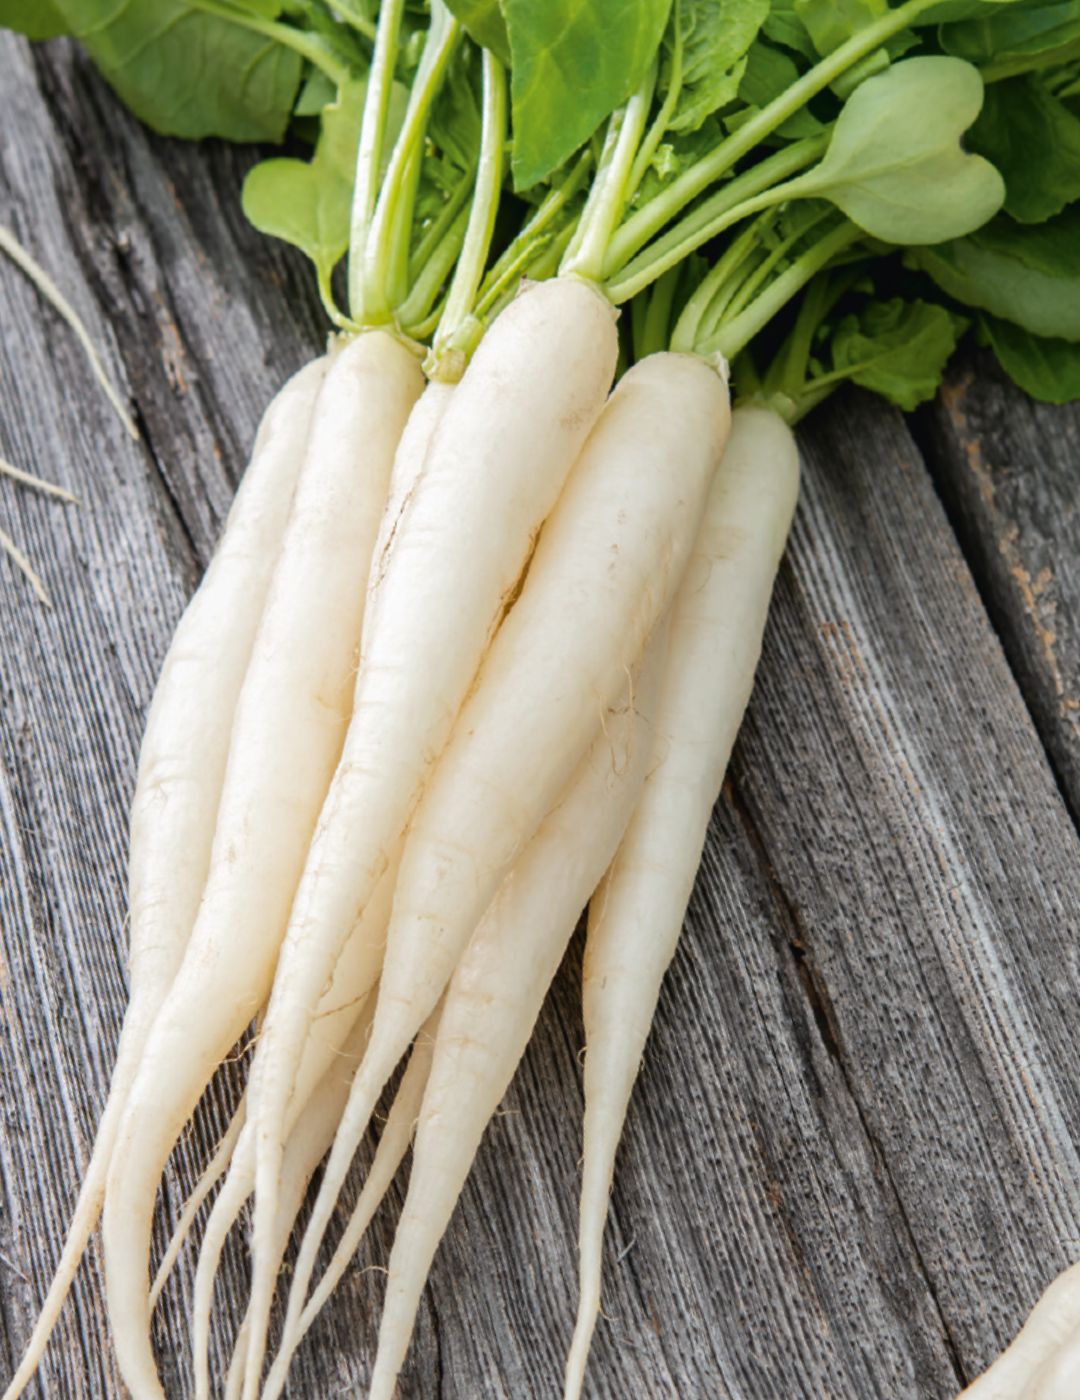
[849,1166]
[1009,472]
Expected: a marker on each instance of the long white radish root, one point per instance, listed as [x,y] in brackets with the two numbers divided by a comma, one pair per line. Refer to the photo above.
[605,568]
[1043,1360]
[286,739]
[211,1174]
[238,1183]
[498,989]
[338,1020]
[396,1135]
[181,769]
[496,464]
[636,916]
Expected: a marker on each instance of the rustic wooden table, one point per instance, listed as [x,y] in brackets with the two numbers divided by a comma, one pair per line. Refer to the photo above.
[852,1160]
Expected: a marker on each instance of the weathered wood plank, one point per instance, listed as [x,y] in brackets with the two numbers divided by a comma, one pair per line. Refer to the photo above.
[888,889]
[900,791]
[1009,472]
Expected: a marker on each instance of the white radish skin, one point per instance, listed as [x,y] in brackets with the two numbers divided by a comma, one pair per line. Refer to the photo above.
[408,464]
[1043,1360]
[606,566]
[287,735]
[311,1136]
[497,991]
[1058,1378]
[636,916]
[393,1144]
[495,466]
[181,768]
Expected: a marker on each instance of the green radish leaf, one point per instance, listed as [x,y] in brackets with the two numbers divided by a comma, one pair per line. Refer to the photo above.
[769,72]
[955,11]
[188,73]
[483,21]
[307,203]
[37,19]
[895,165]
[317,92]
[830,22]
[1023,29]
[264,9]
[674,156]
[1029,275]
[716,35]
[897,349]
[783,25]
[1046,369]
[1034,140]
[574,62]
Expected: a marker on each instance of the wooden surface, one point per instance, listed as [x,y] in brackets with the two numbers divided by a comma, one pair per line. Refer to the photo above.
[852,1160]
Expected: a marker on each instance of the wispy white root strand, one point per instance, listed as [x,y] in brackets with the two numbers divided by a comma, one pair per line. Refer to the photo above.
[22,563]
[213,1173]
[10,245]
[36,483]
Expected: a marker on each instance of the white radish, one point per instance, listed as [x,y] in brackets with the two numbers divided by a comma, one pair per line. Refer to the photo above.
[497,991]
[606,566]
[358,967]
[211,1174]
[1043,1360]
[396,1135]
[636,916]
[237,1188]
[286,739]
[181,768]
[408,464]
[496,464]
[1058,1378]
[337,1019]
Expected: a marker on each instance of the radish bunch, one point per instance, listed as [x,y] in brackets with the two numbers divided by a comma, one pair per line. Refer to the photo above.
[476,643]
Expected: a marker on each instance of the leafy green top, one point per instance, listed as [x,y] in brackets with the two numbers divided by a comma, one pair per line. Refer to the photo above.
[731,167]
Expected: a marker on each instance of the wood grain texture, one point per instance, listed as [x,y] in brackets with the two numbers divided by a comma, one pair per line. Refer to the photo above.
[1009,471]
[850,1164]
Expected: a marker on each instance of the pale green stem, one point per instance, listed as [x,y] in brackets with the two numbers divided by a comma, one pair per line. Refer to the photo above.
[537,231]
[745,195]
[397,189]
[397,273]
[611,188]
[10,245]
[469,272]
[440,226]
[351,15]
[747,289]
[545,264]
[738,332]
[709,290]
[641,226]
[659,125]
[369,151]
[414,312]
[787,372]
[330,306]
[654,332]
